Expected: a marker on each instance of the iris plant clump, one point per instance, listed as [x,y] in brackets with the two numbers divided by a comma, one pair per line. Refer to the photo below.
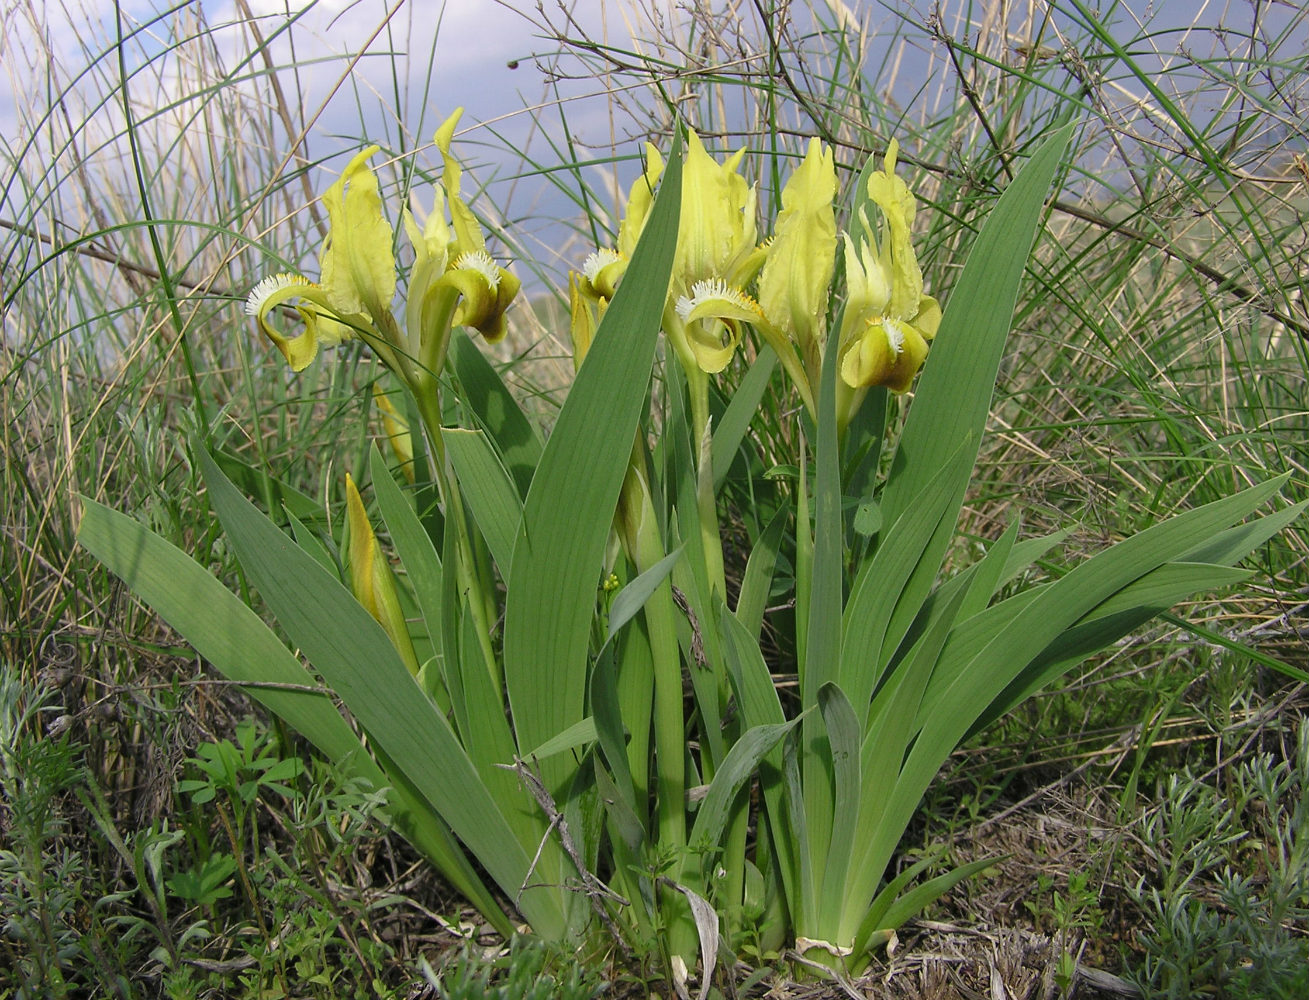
[546,665]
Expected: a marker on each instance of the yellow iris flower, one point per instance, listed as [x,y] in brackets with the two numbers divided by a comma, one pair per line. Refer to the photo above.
[454,281]
[888,320]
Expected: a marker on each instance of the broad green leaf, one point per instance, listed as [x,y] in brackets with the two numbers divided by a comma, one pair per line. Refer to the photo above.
[496,411]
[890,732]
[804,560]
[633,701]
[691,575]
[630,830]
[489,744]
[356,658]
[1234,544]
[823,647]
[276,495]
[979,583]
[452,610]
[844,740]
[218,625]
[801,899]
[630,600]
[757,581]
[867,518]
[488,489]
[608,718]
[1129,609]
[759,705]
[881,583]
[991,569]
[741,411]
[863,448]
[911,903]
[954,390]
[736,767]
[579,734]
[223,630]
[950,710]
[311,543]
[559,549]
[890,912]
[888,894]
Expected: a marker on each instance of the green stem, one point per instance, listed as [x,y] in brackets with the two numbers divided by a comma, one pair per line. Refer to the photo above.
[733,891]
[427,396]
[710,539]
[669,738]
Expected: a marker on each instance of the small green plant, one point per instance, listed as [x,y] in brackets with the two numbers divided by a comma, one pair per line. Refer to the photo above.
[1211,930]
[68,928]
[40,877]
[1069,915]
[231,777]
[293,930]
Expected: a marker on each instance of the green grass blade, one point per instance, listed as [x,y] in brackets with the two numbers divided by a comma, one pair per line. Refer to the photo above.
[823,638]
[888,914]
[630,600]
[736,767]
[607,711]
[740,413]
[844,740]
[757,581]
[1226,642]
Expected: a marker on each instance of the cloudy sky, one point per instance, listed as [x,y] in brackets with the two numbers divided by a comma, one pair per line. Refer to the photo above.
[337,61]
[361,70]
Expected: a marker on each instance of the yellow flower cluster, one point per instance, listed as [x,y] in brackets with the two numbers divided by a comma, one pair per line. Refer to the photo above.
[454,281]
[887,323]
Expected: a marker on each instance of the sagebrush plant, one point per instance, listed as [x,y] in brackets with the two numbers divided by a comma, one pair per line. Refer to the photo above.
[559,750]
[1210,928]
[43,880]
